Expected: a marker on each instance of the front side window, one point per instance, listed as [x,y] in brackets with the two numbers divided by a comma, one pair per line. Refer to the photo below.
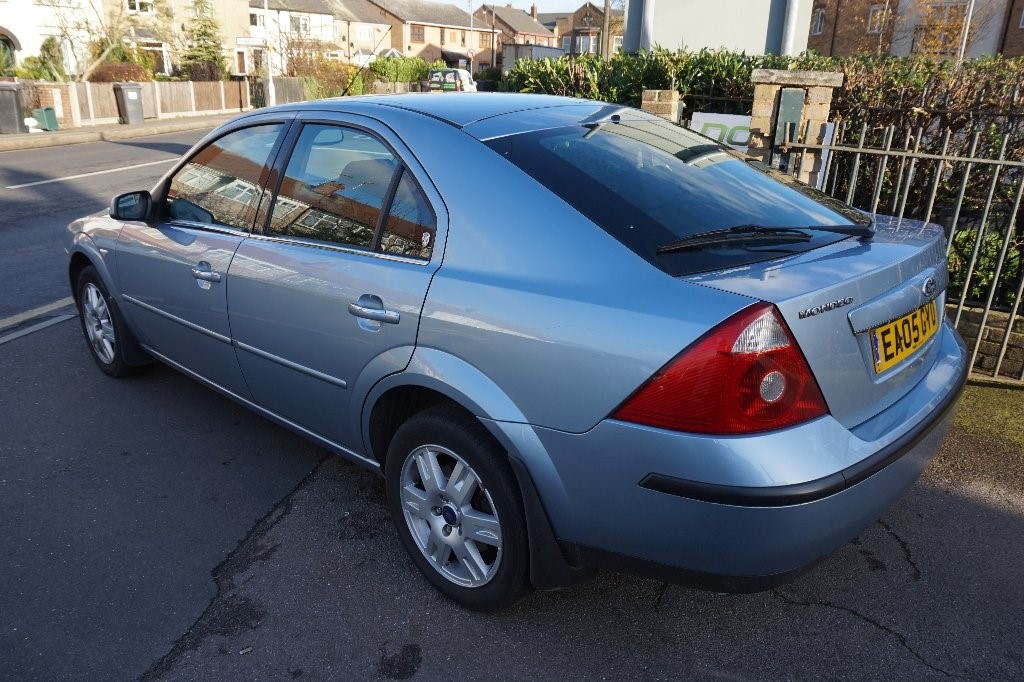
[649,183]
[221,184]
[485,40]
[416,34]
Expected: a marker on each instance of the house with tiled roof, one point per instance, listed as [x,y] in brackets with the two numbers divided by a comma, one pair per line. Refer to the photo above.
[436,30]
[517,26]
[347,30]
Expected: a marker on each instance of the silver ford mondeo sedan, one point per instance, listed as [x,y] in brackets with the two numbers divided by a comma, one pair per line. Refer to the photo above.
[570,335]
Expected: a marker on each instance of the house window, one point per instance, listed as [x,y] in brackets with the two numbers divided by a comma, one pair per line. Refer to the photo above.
[141,6]
[255,19]
[818,22]
[566,42]
[363,32]
[617,44]
[1021,20]
[452,36]
[417,34]
[463,38]
[443,34]
[485,40]
[299,23]
[876,18]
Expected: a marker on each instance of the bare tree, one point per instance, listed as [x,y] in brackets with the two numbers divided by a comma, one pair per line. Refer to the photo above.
[937,29]
[100,33]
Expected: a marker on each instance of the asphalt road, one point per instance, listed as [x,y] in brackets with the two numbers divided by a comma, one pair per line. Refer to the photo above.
[33,218]
[153,529]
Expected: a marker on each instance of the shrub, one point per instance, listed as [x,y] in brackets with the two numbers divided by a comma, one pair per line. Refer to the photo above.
[400,69]
[114,72]
[323,77]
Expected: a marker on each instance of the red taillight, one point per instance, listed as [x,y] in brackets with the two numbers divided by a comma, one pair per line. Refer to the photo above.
[745,375]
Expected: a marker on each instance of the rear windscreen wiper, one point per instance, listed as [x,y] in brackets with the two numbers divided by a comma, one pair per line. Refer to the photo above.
[733,235]
[756,233]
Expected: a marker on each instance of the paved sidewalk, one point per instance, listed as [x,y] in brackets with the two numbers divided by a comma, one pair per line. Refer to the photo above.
[113,131]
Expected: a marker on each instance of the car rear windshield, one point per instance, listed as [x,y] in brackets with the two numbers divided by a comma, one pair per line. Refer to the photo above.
[649,183]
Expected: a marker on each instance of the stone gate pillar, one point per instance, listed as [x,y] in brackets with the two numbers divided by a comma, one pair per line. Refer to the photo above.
[811,92]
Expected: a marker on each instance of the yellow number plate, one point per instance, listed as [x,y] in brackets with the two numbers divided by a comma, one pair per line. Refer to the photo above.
[893,342]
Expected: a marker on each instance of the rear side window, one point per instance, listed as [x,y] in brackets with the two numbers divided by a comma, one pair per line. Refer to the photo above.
[335,187]
[344,186]
[410,226]
[649,183]
[221,184]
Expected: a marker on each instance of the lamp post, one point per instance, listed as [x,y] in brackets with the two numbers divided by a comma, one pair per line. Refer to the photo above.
[963,37]
[587,21]
[271,93]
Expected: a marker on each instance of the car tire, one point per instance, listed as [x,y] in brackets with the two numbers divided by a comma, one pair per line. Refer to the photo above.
[467,534]
[106,333]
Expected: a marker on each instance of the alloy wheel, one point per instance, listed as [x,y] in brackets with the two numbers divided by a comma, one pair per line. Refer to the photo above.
[97,322]
[451,516]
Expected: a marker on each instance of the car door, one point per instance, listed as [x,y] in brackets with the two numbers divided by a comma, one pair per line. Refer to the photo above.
[173,273]
[325,298]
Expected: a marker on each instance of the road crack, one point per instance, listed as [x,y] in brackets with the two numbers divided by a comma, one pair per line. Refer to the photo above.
[792,601]
[915,572]
[229,614]
[661,594]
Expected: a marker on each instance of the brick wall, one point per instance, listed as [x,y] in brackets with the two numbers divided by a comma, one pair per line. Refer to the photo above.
[1013,41]
[845,29]
[664,103]
[991,341]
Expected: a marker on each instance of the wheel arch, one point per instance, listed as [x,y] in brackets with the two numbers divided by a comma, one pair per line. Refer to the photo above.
[430,380]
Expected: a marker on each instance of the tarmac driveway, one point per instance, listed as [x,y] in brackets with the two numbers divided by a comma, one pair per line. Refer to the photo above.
[121,505]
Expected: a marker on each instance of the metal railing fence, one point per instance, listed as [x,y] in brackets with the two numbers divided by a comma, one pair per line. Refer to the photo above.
[971,182]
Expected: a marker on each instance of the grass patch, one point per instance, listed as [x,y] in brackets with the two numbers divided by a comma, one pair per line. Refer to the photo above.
[993,412]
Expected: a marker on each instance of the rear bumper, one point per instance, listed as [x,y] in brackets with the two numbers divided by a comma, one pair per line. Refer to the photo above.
[627,497]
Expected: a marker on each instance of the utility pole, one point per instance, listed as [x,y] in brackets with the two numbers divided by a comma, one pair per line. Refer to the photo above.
[271,94]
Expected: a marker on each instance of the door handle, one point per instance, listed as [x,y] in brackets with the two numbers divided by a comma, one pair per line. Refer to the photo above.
[206,275]
[370,307]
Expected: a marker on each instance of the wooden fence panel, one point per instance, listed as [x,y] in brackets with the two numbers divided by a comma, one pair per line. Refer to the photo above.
[207,95]
[104,103]
[149,99]
[175,97]
[289,90]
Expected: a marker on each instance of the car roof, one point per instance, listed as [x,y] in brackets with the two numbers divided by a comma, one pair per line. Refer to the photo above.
[457,109]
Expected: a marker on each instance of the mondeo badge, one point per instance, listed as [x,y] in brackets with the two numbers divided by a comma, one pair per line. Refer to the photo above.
[825,307]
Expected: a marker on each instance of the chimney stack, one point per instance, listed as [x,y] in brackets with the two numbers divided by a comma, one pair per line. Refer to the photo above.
[533,10]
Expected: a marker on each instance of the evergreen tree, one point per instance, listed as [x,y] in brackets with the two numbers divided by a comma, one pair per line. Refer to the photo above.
[203,59]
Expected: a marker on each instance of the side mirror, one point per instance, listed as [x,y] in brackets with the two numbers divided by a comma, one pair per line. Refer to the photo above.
[131,206]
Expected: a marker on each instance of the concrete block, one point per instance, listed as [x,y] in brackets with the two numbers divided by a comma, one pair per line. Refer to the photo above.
[830,79]
[762,109]
[819,95]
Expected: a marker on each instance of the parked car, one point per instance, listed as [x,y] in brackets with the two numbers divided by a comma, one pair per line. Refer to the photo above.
[637,350]
[450,80]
